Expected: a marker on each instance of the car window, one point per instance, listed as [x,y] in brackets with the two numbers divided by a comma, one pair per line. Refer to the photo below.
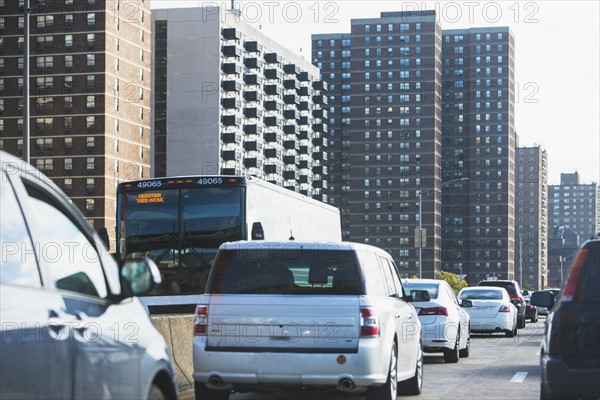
[590,278]
[432,288]
[64,252]
[481,295]
[396,278]
[389,279]
[18,265]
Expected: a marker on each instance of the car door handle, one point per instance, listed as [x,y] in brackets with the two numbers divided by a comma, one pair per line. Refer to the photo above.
[398,315]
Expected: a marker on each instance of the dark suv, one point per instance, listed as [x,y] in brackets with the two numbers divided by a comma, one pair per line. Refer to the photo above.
[570,352]
[514,290]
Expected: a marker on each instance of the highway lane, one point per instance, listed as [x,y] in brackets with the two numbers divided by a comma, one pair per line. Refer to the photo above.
[498,368]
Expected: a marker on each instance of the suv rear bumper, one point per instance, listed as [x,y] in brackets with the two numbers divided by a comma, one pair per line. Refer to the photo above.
[365,367]
[563,382]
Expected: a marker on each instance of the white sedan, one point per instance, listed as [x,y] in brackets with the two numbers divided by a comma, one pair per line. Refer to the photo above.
[444,323]
[490,309]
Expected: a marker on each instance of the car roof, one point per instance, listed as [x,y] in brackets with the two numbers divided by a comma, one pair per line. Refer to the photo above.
[422,280]
[479,288]
[292,244]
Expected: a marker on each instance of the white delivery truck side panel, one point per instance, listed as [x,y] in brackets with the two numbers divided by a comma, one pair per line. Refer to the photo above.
[284,213]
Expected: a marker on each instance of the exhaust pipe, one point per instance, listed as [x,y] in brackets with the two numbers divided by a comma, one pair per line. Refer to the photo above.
[215,382]
[346,385]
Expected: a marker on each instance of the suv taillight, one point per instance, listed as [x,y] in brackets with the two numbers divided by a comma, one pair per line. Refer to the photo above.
[201,320]
[434,311]
[369,324]
[574,275]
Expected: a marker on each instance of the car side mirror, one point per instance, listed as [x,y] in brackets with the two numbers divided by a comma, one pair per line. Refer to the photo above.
[141,276]
[466,303]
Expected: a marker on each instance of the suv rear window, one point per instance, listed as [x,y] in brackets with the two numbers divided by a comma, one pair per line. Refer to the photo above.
[285,271]
[510,287]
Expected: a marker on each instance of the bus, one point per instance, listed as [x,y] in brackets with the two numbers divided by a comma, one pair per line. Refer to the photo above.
[180,222]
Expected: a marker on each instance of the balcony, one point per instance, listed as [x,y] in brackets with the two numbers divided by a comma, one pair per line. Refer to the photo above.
[231,171]
[291,99]
[319,155]
[291,159]
[319,141]
[320,113]
[253,63]
[231,155]
[231,137]
[305,91]
[319,127]
[253,129]
[291,129]
[273,73]
[231,51]
[231,68]
[305,120]
[291,84]
[303,76]
[291,69]
[231,34]
[291,143]
[253,161]
[231,86]
[273,90]
[253,112]
[305,163]
[253,145]
[253,79]
[253,46]
[319,85]
[303,106]
[272,152]
[231,120]
[273,58]
[230,103]
[291,113]
[272,121]
[273,137]
[320,99]
[305,134]
[319,169]
[253,95]
[291,174]
[271,168]
[273,105]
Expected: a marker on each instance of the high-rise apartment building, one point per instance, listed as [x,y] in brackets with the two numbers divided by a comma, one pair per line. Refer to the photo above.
[478,142]
[89,95]
[575,206]
[531,217]
[230,100]
[385,133]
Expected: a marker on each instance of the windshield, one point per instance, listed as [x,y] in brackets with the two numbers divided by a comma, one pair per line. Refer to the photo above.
[431,288]
[181,230]
[481,295]
[281,271]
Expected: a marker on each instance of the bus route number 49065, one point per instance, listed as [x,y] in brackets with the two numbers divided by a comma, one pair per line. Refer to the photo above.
[149,184]
[210,181]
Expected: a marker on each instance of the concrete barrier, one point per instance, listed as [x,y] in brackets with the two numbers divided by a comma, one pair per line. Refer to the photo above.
[178,333]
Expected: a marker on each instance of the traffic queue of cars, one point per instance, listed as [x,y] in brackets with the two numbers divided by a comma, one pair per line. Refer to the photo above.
[323,317]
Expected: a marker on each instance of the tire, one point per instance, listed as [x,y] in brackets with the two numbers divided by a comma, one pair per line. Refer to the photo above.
[521,321]
[156,394]
[414,385]
[389,390]
[452,355]
[204,393]
[464,353]
[535,317]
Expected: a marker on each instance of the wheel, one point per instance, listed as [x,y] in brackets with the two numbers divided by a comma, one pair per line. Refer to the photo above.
[414,385]
[452,355]
[204,393]
[156,393]
[521,323]
[464,353]
[535,317]
[389,390]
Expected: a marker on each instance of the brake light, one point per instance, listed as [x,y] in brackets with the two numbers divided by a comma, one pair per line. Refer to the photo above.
[504,309]
[574,275]
[434,311]
[369,324]
[201,320]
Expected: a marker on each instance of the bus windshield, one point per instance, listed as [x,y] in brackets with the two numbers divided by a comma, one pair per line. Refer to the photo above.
[181,230]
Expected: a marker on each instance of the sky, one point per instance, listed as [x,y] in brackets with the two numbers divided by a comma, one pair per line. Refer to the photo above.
[557,69]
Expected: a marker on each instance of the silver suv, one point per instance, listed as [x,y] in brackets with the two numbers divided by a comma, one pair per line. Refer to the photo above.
[69,324]
[306,316]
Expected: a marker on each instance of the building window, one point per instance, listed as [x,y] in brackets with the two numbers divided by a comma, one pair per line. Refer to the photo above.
[89,204]
[91,39]
[68,184]
[90,103]
[68,62]
[90,60]
[91,20]
[68,103]
[68,163]
[90,163]
[90,122]
[90,184]
[90,142]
